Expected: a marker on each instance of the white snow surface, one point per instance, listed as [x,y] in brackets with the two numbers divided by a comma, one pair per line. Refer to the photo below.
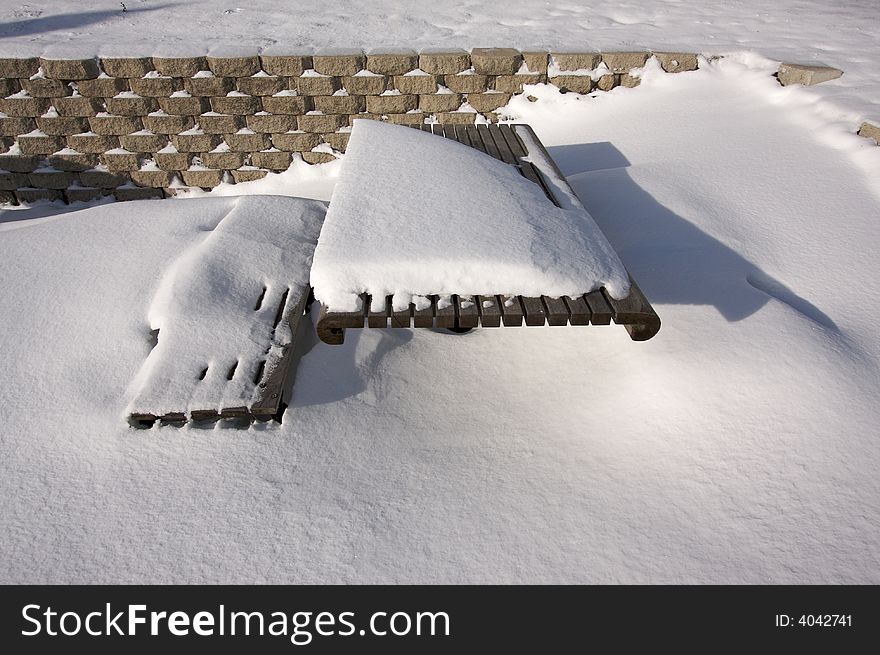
[843,34]
[216,303]
[414,214]
[739,445]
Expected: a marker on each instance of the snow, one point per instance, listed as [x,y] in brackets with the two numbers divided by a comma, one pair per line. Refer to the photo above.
[204,306]
[740,445]
[418,214]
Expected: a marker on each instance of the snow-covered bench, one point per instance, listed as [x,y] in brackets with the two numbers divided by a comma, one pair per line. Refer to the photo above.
[385,228]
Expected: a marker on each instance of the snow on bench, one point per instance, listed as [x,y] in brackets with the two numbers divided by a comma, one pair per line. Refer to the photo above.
[226,313]
[426,232]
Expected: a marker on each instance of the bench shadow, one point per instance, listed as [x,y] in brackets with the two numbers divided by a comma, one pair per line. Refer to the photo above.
[54,22]
[673,261]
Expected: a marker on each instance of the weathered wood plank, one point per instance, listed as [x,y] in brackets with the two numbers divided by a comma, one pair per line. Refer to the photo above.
[462,135]
[578,310]
[505,153]
[403,317]
[379,312]
[490,315]
[445,315]
[511,311]
[468,314]
[635,313]
[488,142]
[424,318]
[556,310]
[601,312]
[534,311]
[474,136]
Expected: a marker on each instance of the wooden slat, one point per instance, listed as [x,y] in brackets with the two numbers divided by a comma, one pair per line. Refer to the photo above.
[423,127]
[601,312]
[512,313]
[402,318]
[534,311]
[462,135]
[468,314]
[527,169]
[556,310]
[449,132]
[504,151]
[474,136]
[488,142]
[489,316]
[578,310]
[445,317]
[635,313]
[379,313]
[204,415]
[424,318]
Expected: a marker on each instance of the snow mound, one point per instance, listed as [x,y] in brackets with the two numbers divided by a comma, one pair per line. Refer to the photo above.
[415,214]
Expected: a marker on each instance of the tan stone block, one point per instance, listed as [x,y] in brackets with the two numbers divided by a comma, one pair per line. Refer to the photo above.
[223,160]
[179,66]
[62,125]
[806,75]
[131,106]
[127,66]
[247,142]
[235,104]
[271,123]
[144,142]
[115,125]
[514,83]
[103,179]
[366,85]
[15,125]
[83,194]
[574,61]
[392,63]
[12,181]
[629,81]
[466,83]
[168,124]
[484,102]
[339,65]
[417,84]
[92,143]
[70,69]
[43,87]
[320,123]
[296,141]
[337,140]
[240,175]
[339,104]
[287,105]
[19,67]
[536,61]
[234,66]
[285,65]
[220,123]
[156,179]
[9,86]
[184,105]
[78,106]
[624,62]
[444,63]
[391,104]
[172,161]
[155,87]
[318,157]
[261,85]
[103,87]
[440,102]
[19,163]
[124,194]
[495,61]
[204,178]
[316,86]
[574,83]
[50,179]
[208,86]
[607,82]
[39,145]
[677,62]
[410,118]
[195,142]
[27,107]
[274,161]
[457,117]
[870,131]
[30,195]
[117,161]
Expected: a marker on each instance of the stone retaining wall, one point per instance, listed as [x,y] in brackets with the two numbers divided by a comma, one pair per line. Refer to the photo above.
[78,129]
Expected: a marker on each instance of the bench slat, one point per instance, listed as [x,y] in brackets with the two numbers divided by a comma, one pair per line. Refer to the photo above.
[379,312]
[512,313]
[601,312]
[578,309]
[424,318]
[557,311]
[445,317]
[534,311]
[468,314]
[402,318]
[489,316]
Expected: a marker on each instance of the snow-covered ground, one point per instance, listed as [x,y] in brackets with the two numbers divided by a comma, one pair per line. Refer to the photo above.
[739,445]
[844,34]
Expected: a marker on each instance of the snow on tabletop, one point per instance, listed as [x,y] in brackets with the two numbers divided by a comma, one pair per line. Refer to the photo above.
[417,214]
[204,305]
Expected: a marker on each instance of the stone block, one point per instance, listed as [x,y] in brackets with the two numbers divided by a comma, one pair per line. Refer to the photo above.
[496,61]
[226,159]
[339,65]
[195,142]
[8,198]
[6,142]
[62,125]
[184,105]
[203,178]
[285,65]
[444,62]
[247,142]
[131,105]
[573,83]
[44,87]
[316,86]
[440,102]
[83,194]
[514,83]
[91,143]
[45,179]
[208,86]
[484,102]
[393,63]
[320,123]
[365,85]
[130,67]
[870,131]
[8,86]
[629,81]
[466,83]
[457,117]
[156,179]
[78,106]
[121,160]
[70,69]
[168,124]
[271,123]
[234,66]
[30,144]
[15,125]
[273,160]
[19,67]
[172,161]
[536,61]
[410,118]
[144,141]
[318,157]
[261,85]
[607,82]
[179,66]
[240,175]
[103,179]
[155,87]
[418,84]
[391,104]
[806,75]
[677,62]
[295,141]
[220,123]
[30,195]
[112,125]
[73,161]
[340,104]
[11,181]
[574,61]
[337,140]
[125,193]
[624,62]
[287,105]
[24,106]
[19,163]
[102,87]
[235,104]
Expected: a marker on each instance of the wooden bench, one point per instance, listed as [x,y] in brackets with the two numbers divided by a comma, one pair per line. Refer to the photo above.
[510,144]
